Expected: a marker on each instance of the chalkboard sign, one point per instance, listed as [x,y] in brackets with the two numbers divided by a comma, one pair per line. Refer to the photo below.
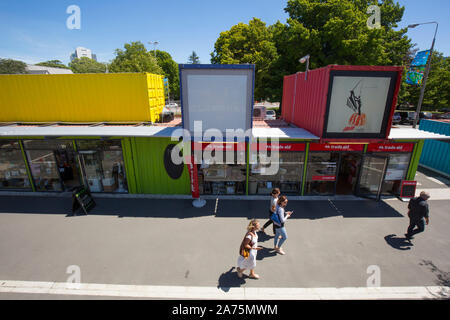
[408,189]
[81,198]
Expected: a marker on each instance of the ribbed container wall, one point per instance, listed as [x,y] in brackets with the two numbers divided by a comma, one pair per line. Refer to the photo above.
[307,109]
[151,177]
[436,154]
[110,97]
[288,97]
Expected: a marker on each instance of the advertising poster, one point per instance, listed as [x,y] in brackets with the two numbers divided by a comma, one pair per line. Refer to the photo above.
[357,104]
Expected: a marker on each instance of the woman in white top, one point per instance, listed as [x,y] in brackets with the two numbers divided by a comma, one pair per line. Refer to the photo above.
[250,243]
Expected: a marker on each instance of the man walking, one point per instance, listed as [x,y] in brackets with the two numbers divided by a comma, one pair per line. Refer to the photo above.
[418,214]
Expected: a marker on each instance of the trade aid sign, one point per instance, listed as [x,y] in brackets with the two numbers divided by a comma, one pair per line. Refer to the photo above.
[336,147]
[195,191]
[390,147]
[282,146]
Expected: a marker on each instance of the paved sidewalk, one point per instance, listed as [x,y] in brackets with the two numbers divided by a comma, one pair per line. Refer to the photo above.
[169,243]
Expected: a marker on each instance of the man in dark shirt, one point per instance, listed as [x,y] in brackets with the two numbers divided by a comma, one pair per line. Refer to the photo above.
[418,214]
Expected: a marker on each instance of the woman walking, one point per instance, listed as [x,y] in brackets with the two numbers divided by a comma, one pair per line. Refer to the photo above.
[280,230]
[273,206]
[248,250]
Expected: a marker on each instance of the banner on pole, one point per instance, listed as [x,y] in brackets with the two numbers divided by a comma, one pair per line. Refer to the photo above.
[417,68]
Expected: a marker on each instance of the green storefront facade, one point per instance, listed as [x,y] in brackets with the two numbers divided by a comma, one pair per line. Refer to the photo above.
[136,165]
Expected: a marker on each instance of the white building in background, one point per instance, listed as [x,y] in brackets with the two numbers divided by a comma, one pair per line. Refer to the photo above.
[33,69]
[83,52]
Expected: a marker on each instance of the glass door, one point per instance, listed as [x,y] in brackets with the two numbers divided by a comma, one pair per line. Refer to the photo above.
[371,176]
[92,170]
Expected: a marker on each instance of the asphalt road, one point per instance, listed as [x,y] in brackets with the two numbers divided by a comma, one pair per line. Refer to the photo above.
[170,243]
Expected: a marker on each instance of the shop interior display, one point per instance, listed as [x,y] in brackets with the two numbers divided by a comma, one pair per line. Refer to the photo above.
[222,178]
[13,174]
[288,177]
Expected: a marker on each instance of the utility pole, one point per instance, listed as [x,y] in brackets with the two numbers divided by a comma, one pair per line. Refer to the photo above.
[427,71]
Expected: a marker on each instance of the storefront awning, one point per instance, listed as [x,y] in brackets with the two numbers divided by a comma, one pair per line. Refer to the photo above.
[86,131]
[134,131]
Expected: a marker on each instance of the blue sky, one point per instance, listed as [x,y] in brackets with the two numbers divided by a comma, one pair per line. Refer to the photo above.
[34,31]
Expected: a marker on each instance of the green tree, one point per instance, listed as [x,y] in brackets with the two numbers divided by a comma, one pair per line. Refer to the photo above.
[53,64]
[87,65]
[193,58]
[336,32]
[249,43]
[135,58]
[171,72]
[10,66]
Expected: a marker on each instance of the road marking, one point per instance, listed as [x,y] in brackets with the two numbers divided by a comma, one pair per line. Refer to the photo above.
[435,180]
[242,293]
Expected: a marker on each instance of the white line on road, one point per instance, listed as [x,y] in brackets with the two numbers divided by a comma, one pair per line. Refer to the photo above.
[241,293]
[435,180]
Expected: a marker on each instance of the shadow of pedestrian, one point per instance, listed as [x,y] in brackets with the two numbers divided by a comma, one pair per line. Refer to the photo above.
[265,253]
[229,280]
[262,236]
[398,243]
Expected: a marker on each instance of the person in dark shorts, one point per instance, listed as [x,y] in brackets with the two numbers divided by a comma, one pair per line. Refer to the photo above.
[273,205]
[418,214]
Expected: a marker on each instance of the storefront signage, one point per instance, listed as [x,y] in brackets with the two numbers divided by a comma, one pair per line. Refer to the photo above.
[193,178]
[219,146]
[408,189]
[323,178]
[279,146]
[390,147]
[336,147]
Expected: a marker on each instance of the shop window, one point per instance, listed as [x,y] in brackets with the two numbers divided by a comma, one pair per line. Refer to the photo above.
[226,176]
[321,173]
[13,172]
[103,166]
[288,178]
[53,164]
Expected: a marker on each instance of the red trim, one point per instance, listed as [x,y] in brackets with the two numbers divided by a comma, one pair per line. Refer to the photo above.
[408,183]
[336,147]
[281,146]
[324,178]
[390,147]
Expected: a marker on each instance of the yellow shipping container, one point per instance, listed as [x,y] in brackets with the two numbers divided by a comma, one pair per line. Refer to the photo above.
[102,97]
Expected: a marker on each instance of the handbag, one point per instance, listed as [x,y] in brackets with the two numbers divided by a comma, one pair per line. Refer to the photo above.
[243,250]
[275,218]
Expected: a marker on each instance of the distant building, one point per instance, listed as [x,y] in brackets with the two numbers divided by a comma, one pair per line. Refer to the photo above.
[82,52]
[33,69]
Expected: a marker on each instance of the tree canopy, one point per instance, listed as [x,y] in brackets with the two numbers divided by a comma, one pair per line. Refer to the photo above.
[53,64]
[171,72]
[193,58]
[87,65]
[10,66]
[248,43]
[332,32]
[135,58]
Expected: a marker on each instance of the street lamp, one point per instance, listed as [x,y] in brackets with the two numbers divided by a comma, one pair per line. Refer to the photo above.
[155,43]
[427,70]
[303,60]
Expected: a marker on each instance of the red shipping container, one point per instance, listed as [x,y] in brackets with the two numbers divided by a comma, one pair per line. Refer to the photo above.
[337,103]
